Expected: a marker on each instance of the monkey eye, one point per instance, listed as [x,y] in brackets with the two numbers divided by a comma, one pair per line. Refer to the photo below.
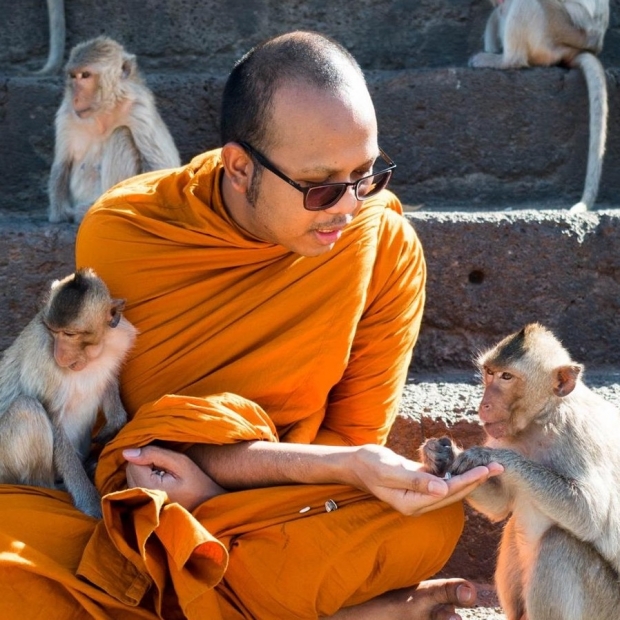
[86,74]
[506,376]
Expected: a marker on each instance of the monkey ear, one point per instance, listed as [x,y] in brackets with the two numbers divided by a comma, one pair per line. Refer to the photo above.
[566,379]
[116,312]
[129,66]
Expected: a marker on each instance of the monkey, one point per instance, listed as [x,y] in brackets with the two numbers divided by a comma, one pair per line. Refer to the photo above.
[559,556]
[524,33]
[107,129]
[57,33]
[59,372]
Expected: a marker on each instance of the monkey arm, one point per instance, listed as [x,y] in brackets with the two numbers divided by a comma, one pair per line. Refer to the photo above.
[492,33]
[70,467]
[59,194]
[151,135]
[571,502]
[114,412]
[493,499]
[59,191]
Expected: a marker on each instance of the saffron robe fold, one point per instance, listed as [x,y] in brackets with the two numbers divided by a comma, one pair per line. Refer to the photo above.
[239,340]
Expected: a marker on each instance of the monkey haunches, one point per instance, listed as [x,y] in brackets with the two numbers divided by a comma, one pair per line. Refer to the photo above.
[528,33]
[559,557]
[108,129]
[60,371]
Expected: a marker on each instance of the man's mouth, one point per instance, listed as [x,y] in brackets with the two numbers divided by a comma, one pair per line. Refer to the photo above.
[329,235]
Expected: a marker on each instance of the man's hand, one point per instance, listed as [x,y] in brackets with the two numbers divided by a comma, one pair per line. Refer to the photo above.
[156,468]
[406,487]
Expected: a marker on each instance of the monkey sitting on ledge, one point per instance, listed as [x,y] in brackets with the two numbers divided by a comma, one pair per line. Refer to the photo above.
[107,129]
[529,33]
[62,368]
[558,442]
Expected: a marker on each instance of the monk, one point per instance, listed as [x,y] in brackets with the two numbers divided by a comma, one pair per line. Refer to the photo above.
[278,292]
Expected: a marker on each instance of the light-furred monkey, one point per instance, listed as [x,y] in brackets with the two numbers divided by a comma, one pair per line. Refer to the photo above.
[107,129]
[559,443]
[55,377]
[524,33]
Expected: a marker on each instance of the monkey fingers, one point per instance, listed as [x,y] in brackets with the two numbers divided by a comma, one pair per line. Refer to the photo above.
[437,455]
[470,458]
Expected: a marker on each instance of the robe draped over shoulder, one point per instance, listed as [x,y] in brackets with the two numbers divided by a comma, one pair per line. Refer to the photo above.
[239,340]
[322,343]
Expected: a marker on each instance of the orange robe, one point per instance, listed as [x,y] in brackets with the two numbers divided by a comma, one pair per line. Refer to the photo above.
[239,340]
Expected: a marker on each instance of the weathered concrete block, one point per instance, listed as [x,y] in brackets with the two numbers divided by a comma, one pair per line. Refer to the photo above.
[491,273]
[462,138]
[32,254]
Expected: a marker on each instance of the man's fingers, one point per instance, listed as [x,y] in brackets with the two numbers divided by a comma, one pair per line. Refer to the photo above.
[143,476]
[146,455]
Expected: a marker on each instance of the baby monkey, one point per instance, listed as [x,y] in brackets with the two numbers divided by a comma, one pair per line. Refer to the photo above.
[559,557]
[60,371]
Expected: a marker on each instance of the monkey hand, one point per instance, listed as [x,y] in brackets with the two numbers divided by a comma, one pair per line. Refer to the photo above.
[437,455]
[175,473]
[88,500]
[472,457]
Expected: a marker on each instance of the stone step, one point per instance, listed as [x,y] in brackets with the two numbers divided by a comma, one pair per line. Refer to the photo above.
[446,403]
[462,138]
[489,273]
[393,35]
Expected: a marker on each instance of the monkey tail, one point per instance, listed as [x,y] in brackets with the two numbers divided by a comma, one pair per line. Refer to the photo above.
[594,75]
[57,26]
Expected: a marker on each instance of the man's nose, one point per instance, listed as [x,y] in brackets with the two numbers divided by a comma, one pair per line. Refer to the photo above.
[347,204]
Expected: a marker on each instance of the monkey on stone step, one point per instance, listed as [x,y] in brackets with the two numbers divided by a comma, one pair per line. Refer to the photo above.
[525,33]
[559,444]
[55,377]
[107,129]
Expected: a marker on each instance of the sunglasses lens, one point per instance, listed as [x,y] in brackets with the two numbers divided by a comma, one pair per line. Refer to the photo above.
[324,196]
[373,185]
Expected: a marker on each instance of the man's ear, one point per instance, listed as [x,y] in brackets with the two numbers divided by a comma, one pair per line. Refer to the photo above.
[238,166]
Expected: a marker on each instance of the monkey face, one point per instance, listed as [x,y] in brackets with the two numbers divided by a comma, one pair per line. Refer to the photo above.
[84,87]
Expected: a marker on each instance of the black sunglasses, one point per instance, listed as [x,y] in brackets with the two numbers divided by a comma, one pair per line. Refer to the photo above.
[325,195]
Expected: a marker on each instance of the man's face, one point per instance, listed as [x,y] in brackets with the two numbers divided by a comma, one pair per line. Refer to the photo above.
[318,138]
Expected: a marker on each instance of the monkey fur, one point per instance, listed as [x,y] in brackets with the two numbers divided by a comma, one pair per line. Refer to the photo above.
[559,557]
[526,33]
[55,377]
[107,129]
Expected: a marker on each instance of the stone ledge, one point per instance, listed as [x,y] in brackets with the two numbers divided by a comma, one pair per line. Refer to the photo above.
[489,273]
[460,136]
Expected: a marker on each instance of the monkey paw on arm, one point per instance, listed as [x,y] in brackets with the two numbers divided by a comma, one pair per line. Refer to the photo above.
[442,457]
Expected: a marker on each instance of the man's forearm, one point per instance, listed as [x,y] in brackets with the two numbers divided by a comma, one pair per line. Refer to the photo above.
[255,464]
